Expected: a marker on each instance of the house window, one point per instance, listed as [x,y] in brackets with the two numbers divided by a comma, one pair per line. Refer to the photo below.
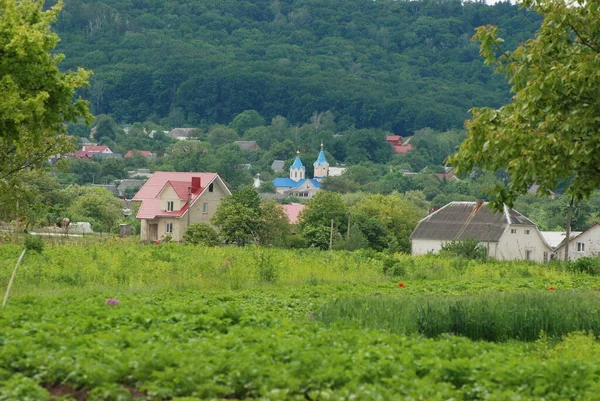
[513,230]
[170,205]
[545,257]
[528,254]
[581,247]
[169,229]
[205,207]
[526,232]
[211,187]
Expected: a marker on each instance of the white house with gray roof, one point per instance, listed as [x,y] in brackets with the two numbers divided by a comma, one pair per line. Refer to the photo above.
[508,235]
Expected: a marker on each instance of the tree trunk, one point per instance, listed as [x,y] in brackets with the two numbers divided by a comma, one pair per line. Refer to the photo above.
[568,228]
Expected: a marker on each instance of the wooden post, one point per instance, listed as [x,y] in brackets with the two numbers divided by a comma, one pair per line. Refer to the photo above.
[12,277]
[331,236]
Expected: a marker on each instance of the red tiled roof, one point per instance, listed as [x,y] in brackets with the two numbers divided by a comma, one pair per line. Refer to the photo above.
[402,148]
[292,211]
[93,148]
[180,182]
[83,155]
[132,153]
[449,176]
[393,138]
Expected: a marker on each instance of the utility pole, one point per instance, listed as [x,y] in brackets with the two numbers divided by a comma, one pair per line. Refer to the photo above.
[348,234]
[331,235]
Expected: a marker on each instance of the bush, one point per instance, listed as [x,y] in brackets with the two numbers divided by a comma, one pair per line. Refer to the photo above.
[468,248]
[201,234]
[587,265]
[34,243]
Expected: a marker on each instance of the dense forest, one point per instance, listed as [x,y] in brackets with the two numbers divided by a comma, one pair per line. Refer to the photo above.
[394,65]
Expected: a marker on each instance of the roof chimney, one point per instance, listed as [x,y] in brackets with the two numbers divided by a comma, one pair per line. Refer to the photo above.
[434,209]
[478,205]
[196,183]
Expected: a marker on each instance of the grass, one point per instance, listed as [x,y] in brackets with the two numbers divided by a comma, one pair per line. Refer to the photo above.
[200,323]
[523,316]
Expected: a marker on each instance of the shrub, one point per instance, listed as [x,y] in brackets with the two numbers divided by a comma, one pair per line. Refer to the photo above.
[201,234]
[468,248]
[587,265]
[34,243]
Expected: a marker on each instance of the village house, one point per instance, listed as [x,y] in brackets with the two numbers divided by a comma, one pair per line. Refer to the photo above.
[96,149]
[132,153]
[507,235]
[292,211]
[170,202]
[581,244]
[398,145]
[247,145]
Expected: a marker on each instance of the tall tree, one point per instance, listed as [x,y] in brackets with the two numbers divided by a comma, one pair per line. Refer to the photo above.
[548,134]
[37,98]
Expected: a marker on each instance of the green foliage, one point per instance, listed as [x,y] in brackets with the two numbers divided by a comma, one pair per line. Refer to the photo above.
[316,220]
[407,67]
[201,234]
[246,120]
[238,217]
[468,248]
[274,226]
[99,207]
[521,316]
[387,219]
[547,134]
[180,305]
[34,243]
[587,265]
[37,98]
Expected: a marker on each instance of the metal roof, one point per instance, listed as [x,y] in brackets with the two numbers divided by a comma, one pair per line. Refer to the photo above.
[464,220]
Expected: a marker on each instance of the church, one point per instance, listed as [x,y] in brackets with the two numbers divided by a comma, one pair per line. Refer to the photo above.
[300,186]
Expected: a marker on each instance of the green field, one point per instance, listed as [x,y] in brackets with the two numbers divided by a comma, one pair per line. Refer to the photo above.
[229,323]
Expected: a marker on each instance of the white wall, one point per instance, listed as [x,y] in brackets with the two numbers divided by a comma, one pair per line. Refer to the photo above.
[425,246]
[591,241]
[515,246]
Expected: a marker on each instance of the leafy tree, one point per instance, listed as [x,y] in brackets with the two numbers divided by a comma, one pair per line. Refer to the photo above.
[221,135]
[201,234]
[397,215]
[99,207]
[86,171]
[549,132]
[267,187]
[37,98]
[105,129]
[238,217]
[246,120]
[275,225]
[339,184]
[315,220]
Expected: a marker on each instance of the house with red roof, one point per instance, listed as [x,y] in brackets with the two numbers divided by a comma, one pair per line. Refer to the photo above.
[132,153]
[171,201]
[96,149]
[292,211]
[397,144]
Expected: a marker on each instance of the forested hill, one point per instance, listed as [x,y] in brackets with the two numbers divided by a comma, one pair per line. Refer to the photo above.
[398,65]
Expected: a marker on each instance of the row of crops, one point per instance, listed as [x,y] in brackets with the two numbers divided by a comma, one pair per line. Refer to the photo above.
[227,323]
